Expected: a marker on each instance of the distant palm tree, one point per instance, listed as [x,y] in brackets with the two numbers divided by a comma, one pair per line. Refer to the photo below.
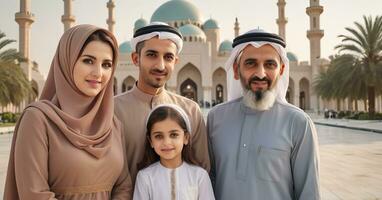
[14,86]
[342,80]
[323,85]
[365,45]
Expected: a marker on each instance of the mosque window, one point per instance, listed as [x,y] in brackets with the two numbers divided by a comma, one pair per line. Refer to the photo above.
[219,94]
[302,100]
[190,39]
[314,22]
[176,25]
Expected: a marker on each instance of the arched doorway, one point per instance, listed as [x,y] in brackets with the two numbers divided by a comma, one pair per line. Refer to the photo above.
[219,94]
[302,100]
[219,84]
[128,83]
[304,94]
[189,82]
[189,89]
[290,92]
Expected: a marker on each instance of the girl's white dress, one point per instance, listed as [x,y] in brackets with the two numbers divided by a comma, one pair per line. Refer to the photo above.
[187,182]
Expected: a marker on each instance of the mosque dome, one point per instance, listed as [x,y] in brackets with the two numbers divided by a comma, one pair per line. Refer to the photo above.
[177,10]
[190,30]
[125,47]
[140,23]
[292,57]
[210,24]
[225,47]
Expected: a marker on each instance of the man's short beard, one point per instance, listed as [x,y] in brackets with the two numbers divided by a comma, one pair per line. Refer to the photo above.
[259,100]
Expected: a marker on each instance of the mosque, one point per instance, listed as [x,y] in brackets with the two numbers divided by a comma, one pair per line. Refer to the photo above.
[200,75]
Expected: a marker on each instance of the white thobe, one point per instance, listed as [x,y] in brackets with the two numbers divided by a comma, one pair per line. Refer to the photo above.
[191,183]
[259,155]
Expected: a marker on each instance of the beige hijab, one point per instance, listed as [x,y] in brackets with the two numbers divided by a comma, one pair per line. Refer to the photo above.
[61,101]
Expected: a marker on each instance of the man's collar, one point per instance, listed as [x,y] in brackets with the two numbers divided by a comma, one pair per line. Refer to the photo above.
[145,96]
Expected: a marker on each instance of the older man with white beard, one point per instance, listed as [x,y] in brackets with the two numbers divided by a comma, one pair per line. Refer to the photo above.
[261,147]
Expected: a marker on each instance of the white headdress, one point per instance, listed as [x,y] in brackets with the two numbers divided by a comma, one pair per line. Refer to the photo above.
[257,38]
[160,29]
[178,109]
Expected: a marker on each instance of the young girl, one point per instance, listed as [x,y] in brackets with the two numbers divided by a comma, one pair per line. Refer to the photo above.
[171,172]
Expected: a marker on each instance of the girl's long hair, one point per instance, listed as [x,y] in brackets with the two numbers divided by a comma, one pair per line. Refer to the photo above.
[158,115]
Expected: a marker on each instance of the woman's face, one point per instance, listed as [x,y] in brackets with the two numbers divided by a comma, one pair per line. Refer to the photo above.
[93,68]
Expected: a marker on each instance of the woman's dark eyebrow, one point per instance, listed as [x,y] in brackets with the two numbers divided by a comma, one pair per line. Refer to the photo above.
[90,56]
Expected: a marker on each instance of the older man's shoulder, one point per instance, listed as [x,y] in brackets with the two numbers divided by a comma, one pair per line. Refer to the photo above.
[294,112]
[226,107]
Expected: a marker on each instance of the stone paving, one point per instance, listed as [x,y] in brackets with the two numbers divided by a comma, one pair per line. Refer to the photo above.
[365,125]
[351,163]
[5,145]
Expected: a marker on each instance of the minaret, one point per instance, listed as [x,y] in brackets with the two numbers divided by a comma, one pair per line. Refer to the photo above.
[315,34]
[110,21]
[25,18]
[212,31]
[281,21]
[68,19]
[237,28]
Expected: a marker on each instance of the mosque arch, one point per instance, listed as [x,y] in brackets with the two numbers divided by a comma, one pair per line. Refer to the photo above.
[128,83]
[304,97]
[219,85]
[189,89]
[290,92]
[219,94]
[189,82]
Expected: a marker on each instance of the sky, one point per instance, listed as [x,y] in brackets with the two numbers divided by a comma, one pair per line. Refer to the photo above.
[48,28]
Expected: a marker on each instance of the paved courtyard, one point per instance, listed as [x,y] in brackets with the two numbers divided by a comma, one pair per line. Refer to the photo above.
[351,163]
[5,145]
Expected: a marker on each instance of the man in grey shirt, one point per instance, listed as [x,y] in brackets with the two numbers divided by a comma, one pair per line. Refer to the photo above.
[261,146]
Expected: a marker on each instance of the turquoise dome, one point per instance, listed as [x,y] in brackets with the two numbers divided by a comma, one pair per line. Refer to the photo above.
[140,23]
[225,46]
[292,57]
[192,30]
[177,10]
[210,24]
[125,47]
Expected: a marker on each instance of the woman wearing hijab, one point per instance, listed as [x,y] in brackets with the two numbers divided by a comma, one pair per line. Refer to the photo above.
[68,145]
